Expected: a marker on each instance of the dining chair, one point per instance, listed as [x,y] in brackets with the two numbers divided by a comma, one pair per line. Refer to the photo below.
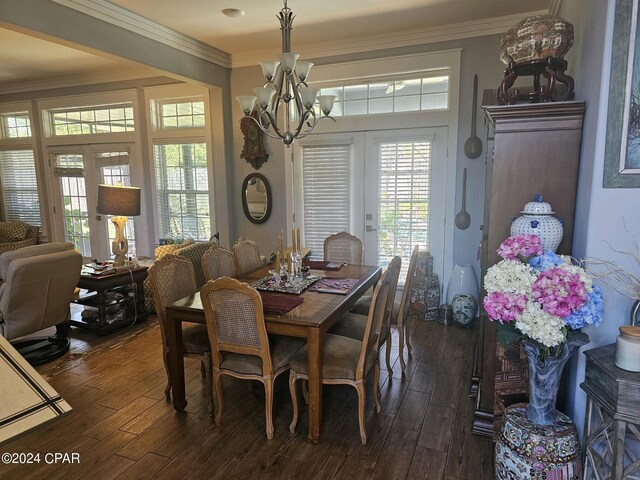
[239,343]
[343,247]
[247,255]
[218,261]
[348,361]
[172,278]
[400,310]
[353,325]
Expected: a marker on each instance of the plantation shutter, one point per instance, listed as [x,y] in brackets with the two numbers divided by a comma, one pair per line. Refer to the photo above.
[404,185]
[20,186]
[326,177]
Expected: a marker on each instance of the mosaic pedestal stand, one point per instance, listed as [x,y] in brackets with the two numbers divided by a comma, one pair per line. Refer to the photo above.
[526,451]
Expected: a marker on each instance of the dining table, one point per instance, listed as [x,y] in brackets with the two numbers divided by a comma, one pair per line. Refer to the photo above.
[310,320]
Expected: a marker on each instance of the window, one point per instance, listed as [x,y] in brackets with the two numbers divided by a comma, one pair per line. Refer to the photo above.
[182,115]
[406,95]
[91,120]
[182,190]
[69,168]
[326,177]
[404,170]
[19,186]
[16,125]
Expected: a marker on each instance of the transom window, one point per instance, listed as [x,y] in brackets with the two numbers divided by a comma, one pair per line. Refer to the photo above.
[182,115]
[16,125]
[406,95]
[92,120]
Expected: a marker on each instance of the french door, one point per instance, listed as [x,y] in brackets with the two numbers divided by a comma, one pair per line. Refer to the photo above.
[387,187]
[75,172]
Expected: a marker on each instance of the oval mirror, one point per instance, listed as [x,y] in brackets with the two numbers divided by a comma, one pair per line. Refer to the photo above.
[256,198]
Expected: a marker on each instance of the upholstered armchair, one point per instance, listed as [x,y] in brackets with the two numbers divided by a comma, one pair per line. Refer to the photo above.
[15,235]
[39,284]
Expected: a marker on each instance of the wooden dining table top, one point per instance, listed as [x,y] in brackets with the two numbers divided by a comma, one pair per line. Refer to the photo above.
[316,308]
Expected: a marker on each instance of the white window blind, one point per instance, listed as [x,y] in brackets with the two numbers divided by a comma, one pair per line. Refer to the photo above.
[182,190]
[326,177]
[19,186]
[404,187]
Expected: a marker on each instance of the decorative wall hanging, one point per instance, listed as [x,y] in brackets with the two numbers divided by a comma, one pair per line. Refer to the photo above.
[253,150]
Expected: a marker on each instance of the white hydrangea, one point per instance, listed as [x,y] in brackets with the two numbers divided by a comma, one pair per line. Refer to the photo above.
[540,325]
[509,276]
[584,278]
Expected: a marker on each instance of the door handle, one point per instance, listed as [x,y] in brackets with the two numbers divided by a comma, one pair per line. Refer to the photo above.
[369,228]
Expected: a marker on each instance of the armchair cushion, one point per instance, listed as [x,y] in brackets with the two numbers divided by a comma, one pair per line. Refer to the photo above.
[30,251]
[13,231]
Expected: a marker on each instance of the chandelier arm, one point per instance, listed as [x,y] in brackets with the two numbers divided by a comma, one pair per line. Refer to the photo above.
[277,131]
[304,134]
[263,129]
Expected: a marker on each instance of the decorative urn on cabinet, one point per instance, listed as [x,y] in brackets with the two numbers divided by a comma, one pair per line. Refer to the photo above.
[536,38]
[537,219]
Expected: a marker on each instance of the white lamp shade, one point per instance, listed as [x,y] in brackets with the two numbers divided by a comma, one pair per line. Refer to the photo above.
[246,103]
[288,61]
[308,96]
[326,103]
[269,69]
[264,95]
[302,69]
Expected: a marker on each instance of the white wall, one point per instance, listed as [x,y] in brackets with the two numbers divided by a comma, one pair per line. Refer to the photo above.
[600,211]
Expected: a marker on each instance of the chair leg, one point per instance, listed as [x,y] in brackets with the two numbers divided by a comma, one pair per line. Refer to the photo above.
[360,388]
[268,407]
[388,354]
[305,391]
[403,365]
[203,368]
[219,402]
[405,328]
[294,400]
[376,386]
[206,361]
[167,389]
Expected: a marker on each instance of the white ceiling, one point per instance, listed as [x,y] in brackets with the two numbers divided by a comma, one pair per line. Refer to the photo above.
[317,22]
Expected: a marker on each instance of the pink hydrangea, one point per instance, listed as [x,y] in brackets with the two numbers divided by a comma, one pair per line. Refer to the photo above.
[559,292]
[520,245]
[504,307]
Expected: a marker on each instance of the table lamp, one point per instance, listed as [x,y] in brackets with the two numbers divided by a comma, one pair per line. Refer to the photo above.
[121,202]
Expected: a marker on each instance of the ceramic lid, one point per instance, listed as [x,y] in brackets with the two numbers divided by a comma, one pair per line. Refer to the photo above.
[537,207]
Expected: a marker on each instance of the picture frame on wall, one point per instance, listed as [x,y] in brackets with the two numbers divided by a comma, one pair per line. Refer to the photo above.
[622,150]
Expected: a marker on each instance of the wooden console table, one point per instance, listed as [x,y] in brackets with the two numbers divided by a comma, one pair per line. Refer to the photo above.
[98,287]
[612,420]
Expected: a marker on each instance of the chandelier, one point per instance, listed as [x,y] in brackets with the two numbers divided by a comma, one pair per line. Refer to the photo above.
[286,97]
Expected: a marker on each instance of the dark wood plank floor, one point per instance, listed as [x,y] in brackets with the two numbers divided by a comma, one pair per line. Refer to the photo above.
[122,427]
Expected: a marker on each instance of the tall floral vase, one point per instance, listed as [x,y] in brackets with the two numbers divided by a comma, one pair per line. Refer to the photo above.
[536,441]
[462,280]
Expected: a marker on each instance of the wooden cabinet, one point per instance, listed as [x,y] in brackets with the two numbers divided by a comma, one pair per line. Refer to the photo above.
[531,148]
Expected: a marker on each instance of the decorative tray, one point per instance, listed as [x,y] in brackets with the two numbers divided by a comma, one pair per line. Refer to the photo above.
[295,285]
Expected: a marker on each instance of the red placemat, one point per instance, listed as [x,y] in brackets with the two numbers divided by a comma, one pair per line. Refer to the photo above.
[320,265]
[278,303]
[341,286]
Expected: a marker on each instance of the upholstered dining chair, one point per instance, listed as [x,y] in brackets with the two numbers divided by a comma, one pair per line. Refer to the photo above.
[352,325]
[218,261]
[348,361]
[343,247]
[247,255]
[172,278]
[239,343]
[400,311]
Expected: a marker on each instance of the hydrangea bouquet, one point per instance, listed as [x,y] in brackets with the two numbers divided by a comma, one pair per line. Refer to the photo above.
[539,296]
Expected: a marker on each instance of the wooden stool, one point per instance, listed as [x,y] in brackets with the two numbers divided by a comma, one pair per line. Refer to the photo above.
[526,451]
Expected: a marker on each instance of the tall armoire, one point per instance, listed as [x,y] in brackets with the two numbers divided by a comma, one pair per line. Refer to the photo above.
[531,149]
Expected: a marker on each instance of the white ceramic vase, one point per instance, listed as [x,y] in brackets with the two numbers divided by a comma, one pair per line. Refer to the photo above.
[462,280]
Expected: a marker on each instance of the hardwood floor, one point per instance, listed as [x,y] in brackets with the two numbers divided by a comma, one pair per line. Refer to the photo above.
[123,428]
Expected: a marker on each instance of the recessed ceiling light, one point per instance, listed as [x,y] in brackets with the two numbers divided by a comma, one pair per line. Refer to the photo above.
[233,12]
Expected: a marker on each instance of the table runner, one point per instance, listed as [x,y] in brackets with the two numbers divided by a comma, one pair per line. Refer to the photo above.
[321,265]
[341,286]
[279,304]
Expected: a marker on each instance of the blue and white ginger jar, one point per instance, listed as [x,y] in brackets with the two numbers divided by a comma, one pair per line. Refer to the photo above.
[537,219]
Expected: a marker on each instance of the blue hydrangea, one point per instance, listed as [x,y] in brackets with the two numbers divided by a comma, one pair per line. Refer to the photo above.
[545,261]
[589,314]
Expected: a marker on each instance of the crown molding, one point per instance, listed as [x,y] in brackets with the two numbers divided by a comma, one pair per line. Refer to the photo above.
[554,8]
[74,80]
[454,31]
[123,18]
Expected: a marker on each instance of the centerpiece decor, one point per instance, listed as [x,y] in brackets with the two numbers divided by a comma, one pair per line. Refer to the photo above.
[542,299]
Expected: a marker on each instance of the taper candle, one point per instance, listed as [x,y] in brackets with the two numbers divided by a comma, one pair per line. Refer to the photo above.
[298,240]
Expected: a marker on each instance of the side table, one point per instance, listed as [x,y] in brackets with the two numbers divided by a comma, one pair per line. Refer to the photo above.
[612,420]
[108,295]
